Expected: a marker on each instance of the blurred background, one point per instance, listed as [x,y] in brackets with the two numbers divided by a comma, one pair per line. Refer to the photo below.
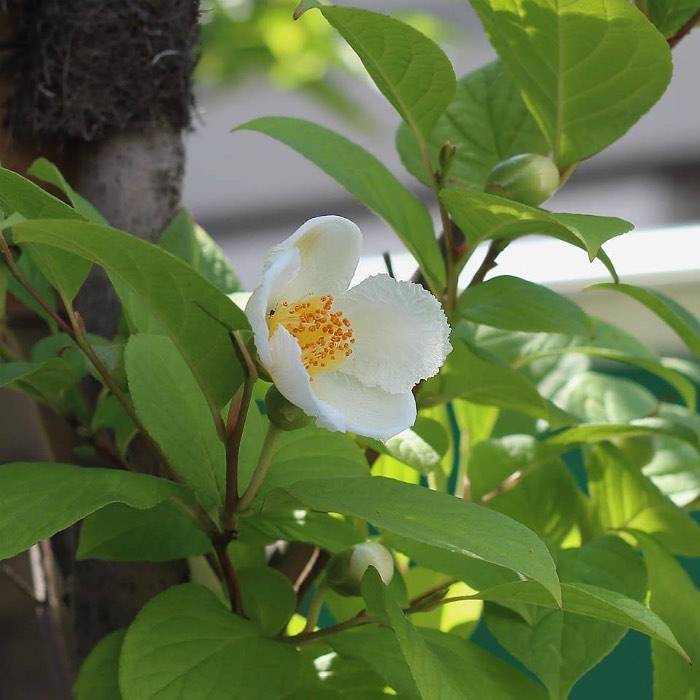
[250,192]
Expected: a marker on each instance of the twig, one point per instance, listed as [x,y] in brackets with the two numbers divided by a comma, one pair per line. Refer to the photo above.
[229,573]
[261,468]
[489,262]
[13,577]
[684,30]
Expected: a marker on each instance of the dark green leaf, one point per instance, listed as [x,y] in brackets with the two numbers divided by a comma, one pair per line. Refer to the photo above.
[47,381]
[435,519]
[120,533]
[185,643]
[518,305]
[41,499]
[669,16]
[487,122]
[367,179]
[268,598]
[99,674]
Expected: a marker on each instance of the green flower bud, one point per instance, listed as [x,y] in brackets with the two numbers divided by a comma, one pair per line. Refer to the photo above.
[282,413]
[345,570]
[637,450]
[528,178]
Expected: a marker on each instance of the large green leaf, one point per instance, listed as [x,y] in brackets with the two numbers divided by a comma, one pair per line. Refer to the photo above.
[409,69]
[669,16]
[469,374]
[160,293]
[185,644]
[487,122]
[120,533]
[434,680]
[559,646]
[483,216]
[173,410]
[268,598]
[674,597]
[623,498]
[676,316]
[40,499]
[436,519]
[367,179]
[591,601]
[515,304]
[99,674]
[197,248]
[583,70]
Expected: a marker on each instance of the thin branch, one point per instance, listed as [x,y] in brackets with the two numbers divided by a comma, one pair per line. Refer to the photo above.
[684,30]
[261,468]
[229,574]
[20,584]
[489,262]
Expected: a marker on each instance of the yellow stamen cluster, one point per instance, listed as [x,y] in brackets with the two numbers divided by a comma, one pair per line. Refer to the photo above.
[325,336]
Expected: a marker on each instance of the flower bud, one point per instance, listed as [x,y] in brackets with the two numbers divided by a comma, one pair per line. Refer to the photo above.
[282,413]
[345,570]
[528,178]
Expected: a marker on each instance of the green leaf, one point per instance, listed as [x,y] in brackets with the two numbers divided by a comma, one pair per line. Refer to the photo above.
[47,381]
[111,414]
[488,676]
[185,643]
[469,374]
[671,312]
[674,597]
[434,680]
[560,646]
[623,498]
[487,122]
[173,410]
[366,178]
[192,244]
[121,533]
[160,294]
[41,285]
[319,529]
[483,216]
[436,519]
[17,194]
[518,305]
[40,499]
[421,447]
[668,16]
[583,71]
[48,172]
[268,598]
[409,69]
[99,674]
[65,272]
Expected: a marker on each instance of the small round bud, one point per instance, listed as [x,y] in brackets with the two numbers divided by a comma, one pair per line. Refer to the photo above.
[528,178]
[637,450]
[345,570]
[282,413]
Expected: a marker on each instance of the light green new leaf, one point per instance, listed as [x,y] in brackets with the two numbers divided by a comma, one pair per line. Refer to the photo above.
[434,680]
[39,499]
[668,16]
[470,375]
[99,674]
[483,216]
[623,498]
[160,294]
[487,122]
[185,643]
[583,69]
[175,413]
[48,172]
[409,69]
[436,519]
[268,598]
[674,597]
[515,304]
[560,646]
[121,533]
[191,243]
[421,447]
[592,601]
[671,312]
[366,178]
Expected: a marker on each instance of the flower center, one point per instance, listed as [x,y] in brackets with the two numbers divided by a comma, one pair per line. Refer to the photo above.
[324,335]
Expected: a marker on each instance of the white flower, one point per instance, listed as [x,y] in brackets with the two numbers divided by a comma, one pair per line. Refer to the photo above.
[349,357]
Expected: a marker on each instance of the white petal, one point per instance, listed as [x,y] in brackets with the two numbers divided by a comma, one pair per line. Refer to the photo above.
[401,333]
[277,275]
[293,381]
[368,411]
[329,250]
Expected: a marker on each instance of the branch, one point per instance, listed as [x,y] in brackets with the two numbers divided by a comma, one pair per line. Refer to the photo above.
[229,574]
[489,262]
[684,30]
